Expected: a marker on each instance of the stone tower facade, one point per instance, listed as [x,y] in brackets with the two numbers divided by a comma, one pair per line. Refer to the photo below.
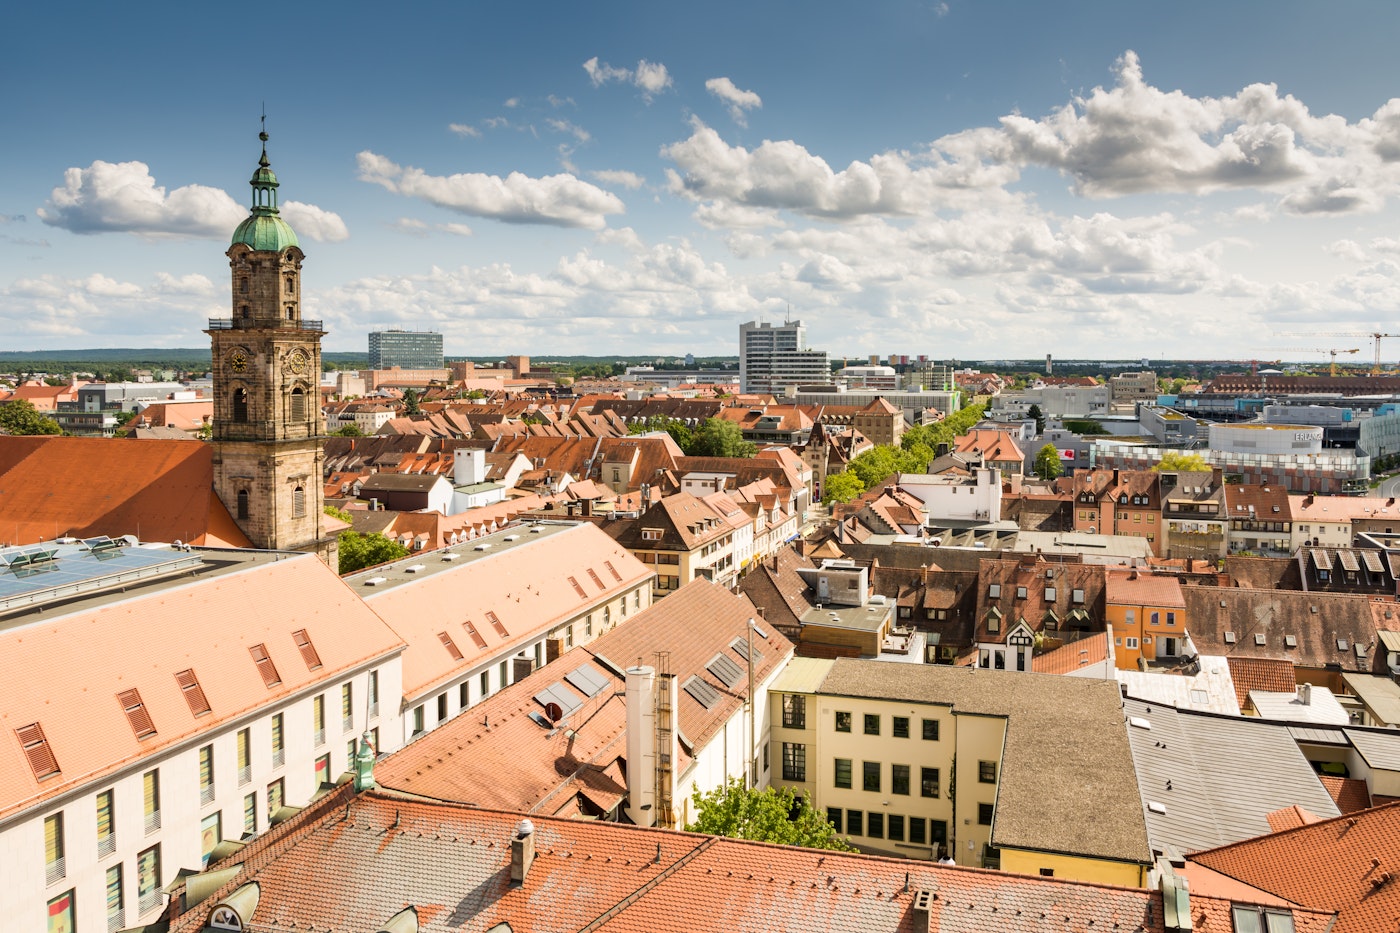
[267,403]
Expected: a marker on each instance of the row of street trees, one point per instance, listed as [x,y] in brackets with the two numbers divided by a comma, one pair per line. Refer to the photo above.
[913,455]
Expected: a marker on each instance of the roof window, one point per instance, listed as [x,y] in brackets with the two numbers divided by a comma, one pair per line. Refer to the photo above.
[308,650]
[136,714]
[194,693]
[1229,638]
[36,749]
[266,668]
[496,624]
[450,645]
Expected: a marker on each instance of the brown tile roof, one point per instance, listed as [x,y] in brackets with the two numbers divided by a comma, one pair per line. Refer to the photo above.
[1267,674]
[1351,794]
[1289,818]
[1326,628]
[1135,588]
[66,671]
[350,862]
[158,490]
[1347,864]
[775,588]
[527,588]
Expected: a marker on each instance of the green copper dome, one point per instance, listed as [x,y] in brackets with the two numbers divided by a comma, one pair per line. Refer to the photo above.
[264,230]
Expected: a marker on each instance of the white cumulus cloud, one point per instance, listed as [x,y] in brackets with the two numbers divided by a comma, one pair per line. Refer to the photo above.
[558,200]
[122,197]
[651,78]
[311,221]
[739,101]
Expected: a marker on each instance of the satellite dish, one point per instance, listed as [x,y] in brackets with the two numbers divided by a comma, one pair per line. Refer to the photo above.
[553,711]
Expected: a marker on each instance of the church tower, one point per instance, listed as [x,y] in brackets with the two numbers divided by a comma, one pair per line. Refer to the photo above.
[267,401]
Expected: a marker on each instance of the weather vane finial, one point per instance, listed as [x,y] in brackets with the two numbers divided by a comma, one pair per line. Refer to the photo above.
[263,135]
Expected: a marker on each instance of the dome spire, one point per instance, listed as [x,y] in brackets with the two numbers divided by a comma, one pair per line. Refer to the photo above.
[263,229]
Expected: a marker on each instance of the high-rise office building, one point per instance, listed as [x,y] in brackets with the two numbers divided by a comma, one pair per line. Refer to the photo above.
[406,349]
[772,357]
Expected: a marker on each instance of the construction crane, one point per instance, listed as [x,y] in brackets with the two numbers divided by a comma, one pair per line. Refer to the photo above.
[1374,335]
[1332,352]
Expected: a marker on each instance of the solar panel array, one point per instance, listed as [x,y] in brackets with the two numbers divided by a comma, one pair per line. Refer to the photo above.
[726,669]
[41,574]
[741,646]
[587,679]
[701,692]
[559,695]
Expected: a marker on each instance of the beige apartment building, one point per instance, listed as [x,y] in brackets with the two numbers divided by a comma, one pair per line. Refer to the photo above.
[1030,773]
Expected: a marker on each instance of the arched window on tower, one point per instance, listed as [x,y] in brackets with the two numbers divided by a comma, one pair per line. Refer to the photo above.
[242,504]
[299,502]
[243,285]
[291,314]
[243,311]
[240,405]
[297,409]
[291,285]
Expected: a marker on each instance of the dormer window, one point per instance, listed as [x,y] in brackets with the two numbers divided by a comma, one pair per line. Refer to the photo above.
[994,591]
[1122,500]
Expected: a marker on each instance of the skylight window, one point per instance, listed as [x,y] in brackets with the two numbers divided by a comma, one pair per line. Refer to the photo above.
[308,650]
[450,645]
[37,750]
[266,668]
[194,693]
[496,624]
[136,714]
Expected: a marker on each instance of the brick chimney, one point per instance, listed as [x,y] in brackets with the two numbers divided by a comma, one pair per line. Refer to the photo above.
[522,851]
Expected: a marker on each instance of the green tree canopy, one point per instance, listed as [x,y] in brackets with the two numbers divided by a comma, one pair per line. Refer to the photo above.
[841,487]
[1174,461]
[1039,416]
[359,551]
[719,438]
[21,417]
[1084,426]
[680,432]
[768,815]
[1047,462]
[410,402]
[350,429]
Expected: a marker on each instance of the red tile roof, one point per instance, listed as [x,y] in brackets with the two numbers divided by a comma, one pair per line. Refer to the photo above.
[1267,674]
[1351,794]
[158,490]
[1068,658]
[1348,864]
[351,862]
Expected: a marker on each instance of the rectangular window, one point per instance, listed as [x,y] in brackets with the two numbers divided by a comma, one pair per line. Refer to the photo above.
[351,747]
[900,726]
[318,718]
[136,714]
[150,786]
[60,913]
[1132,643]
[899,779]
[794,711]
[928,782]
[504,677]
[148,892]
[984,814]
[206,774]
[373,694]
[211,833]
[347,707]
[245,756]
[870,776]
[194,693]
[279,748]
[36,749]
[464,695]
[875,825]
[833,816]
[418,720]
[855,822]
[930,730]
[54,867]
[987,772]
[276,797]
[323,770]
[442,707]
[1155,618]
[106,823]
[250,814]
[794,761]
[1171,618]
[485,684]
[116,899]
[308,650]
[266,668]
[872,723]
[896,828]
[843,721]
[843,772]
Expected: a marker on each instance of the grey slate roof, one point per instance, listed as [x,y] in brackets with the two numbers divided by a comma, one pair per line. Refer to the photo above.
[1226,775]
[1380,748]
[1067,772]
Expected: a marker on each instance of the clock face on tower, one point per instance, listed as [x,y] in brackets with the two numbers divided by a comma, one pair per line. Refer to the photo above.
[297,362]
[238,360]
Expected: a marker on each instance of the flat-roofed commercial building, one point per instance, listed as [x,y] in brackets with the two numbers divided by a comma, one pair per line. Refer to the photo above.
[405,349]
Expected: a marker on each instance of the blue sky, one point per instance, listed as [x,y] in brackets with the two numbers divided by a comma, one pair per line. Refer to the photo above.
[965,180]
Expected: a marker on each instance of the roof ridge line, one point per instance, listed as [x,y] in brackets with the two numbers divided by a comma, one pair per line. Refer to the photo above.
[646,888]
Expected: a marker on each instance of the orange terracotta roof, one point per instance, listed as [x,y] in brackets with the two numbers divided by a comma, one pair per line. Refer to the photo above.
[158,490]
[527,588]
[1347,864]
[66,672]
[1351,794]
[1135,588]
[1067,659]
[352,861]
[1290,817]
[1267,674]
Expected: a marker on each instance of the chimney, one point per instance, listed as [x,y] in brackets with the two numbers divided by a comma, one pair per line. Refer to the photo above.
[641,744]
[1305,694]
[522,851]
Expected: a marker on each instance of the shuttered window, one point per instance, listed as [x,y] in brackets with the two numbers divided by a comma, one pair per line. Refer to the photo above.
[308,650]
[496,624]
[298,502]
[265,666]
[450,645]
[36,749]
[194,693]
[136,714]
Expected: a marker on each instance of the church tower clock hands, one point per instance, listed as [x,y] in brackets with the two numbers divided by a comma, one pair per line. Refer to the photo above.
[267,401]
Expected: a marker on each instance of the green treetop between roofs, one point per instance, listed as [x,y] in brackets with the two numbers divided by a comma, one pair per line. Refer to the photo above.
[264,230]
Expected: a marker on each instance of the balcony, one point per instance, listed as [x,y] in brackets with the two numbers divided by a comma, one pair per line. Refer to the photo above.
[228,323]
